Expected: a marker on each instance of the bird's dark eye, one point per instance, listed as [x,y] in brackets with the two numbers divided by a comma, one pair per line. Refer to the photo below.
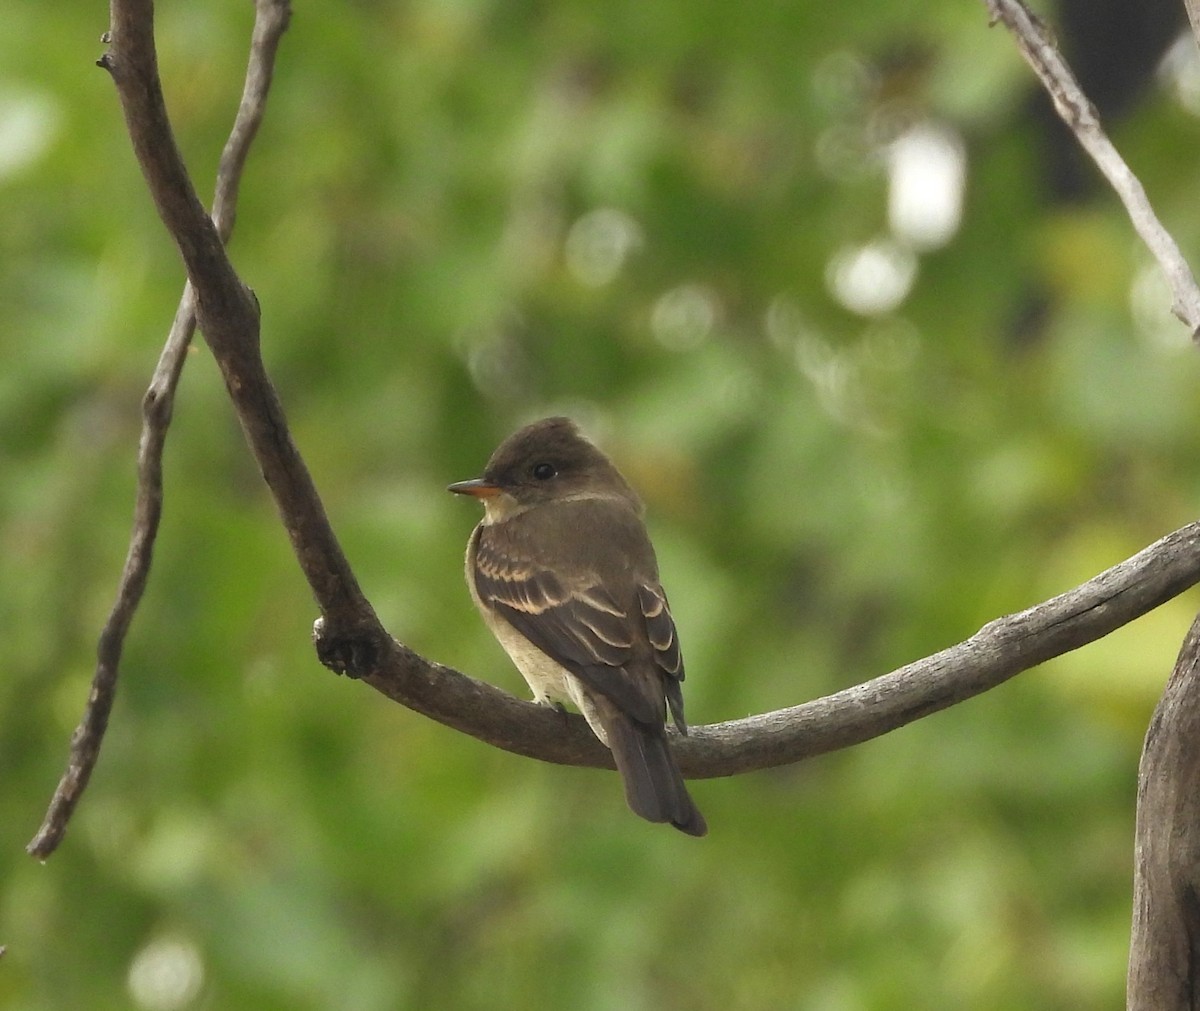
[543,471]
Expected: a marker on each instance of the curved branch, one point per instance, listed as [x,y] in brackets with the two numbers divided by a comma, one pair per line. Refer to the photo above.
[998,651]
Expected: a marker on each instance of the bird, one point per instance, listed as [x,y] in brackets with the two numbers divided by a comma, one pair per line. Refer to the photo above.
[563,572]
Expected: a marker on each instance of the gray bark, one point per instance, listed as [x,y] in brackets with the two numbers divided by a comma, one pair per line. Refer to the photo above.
[1166,909]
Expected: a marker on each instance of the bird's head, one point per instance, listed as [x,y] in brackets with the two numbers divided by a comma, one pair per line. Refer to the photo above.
[547,461]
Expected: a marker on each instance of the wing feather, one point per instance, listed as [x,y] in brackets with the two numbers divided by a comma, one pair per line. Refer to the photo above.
[580,626]
[577,626]
[660,629]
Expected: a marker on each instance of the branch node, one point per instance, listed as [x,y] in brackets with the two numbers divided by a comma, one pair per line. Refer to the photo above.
[354,652]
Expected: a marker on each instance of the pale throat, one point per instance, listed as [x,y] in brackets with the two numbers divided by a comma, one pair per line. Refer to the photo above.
[501,507]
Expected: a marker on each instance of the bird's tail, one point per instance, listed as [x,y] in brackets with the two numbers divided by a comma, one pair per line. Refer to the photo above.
[654,787]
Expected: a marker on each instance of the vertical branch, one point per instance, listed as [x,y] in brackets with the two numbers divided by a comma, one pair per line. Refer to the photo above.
[1164,954]
[271,20]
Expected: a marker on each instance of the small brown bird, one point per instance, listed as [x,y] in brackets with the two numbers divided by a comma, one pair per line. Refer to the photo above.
[563,572]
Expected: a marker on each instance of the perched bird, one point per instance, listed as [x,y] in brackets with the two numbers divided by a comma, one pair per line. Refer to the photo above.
[563,572]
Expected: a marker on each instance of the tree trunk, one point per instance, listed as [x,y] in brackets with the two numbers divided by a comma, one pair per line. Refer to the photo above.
[1164,955]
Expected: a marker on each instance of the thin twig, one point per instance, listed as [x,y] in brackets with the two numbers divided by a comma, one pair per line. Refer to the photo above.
[271,19]
[270,22]
[1081,117]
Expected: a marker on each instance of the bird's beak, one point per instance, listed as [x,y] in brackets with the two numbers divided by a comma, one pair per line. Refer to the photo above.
[478,487]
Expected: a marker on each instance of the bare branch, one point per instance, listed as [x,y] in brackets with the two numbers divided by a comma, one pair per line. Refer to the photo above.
[227,313]
[1193,12]
[1081,117]
[271,18]
[1001,649]
[1163,962]
[88,736]
[270,23]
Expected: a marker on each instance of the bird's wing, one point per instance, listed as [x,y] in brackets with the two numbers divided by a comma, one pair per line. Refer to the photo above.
[578,624]
[660,627]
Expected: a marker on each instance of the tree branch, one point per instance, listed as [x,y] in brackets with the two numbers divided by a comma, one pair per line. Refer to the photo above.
[1193,13]
[1075,109]
[998,651]
[1164,954]
[271,20]
[227,314]
[350,638]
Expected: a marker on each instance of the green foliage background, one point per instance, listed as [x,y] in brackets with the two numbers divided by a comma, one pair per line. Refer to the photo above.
[831,495]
